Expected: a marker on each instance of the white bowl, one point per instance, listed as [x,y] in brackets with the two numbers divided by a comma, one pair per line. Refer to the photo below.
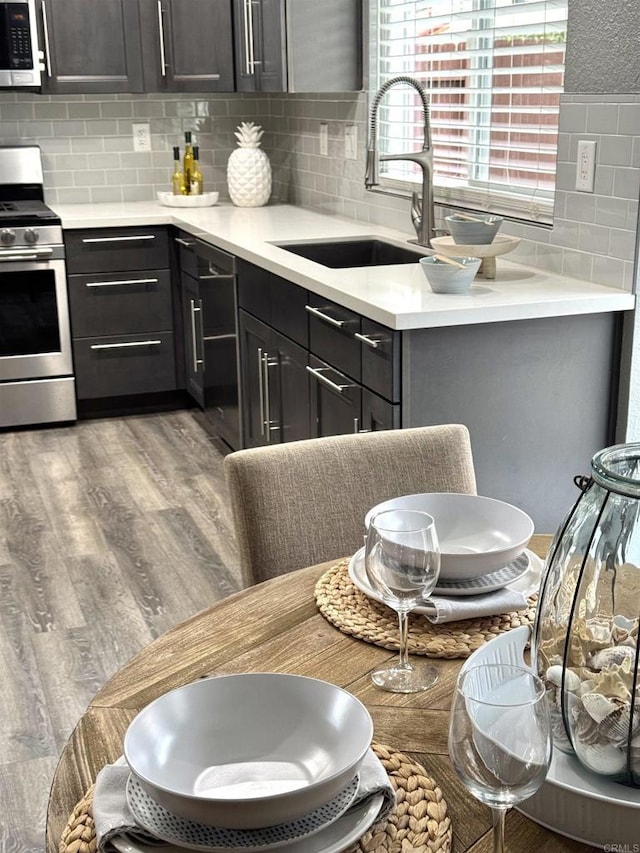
[477,535]
[204,200]
[248,751]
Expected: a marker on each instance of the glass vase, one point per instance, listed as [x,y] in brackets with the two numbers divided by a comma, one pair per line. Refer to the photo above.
[586,644]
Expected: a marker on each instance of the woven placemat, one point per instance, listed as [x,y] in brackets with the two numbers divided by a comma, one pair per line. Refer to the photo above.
[419,821]
[349,609]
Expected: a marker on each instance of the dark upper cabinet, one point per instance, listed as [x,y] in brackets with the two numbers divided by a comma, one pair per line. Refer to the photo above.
[113,46]
[286,45]
[187,45]
[91,46]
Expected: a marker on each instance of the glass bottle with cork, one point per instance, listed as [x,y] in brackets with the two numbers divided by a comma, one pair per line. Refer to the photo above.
[188,161]
[196,175]
[177,179]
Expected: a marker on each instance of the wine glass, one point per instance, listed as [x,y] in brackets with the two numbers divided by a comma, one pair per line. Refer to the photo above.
[500,737]
[402,564]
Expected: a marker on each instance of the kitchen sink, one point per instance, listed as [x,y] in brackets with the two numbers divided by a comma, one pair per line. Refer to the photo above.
[365,252]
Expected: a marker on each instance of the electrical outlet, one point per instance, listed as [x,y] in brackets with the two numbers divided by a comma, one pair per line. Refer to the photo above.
[586,165]
[351,142]
[141,137]
[324,139]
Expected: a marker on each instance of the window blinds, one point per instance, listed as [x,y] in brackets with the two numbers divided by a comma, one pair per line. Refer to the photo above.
[493,70]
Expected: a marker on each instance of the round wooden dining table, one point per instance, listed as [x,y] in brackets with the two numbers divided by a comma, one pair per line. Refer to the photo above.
[276,627]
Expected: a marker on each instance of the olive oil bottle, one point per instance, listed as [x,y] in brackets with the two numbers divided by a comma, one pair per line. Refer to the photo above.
[187,161]
[196,175]
[177,179]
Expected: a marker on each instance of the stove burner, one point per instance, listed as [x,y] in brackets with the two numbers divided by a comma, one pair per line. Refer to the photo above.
[27,212]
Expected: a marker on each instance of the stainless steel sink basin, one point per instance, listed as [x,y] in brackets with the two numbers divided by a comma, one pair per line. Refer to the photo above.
[365,252]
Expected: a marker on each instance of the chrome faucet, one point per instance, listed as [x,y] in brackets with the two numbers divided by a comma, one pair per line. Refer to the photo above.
[421,208]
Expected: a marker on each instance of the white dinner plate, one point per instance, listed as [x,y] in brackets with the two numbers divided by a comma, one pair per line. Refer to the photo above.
[333,839]
[522,575]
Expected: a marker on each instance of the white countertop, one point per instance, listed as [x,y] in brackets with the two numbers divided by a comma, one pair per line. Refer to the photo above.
[397,296]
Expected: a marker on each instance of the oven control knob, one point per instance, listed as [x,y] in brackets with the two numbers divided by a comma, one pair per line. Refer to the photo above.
[31,235]
[7,236]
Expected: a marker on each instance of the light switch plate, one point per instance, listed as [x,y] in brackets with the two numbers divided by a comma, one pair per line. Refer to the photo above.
[324,139]
[586,165]
[351,142]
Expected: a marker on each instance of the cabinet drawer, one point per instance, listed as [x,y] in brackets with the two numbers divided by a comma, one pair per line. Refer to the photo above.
[332,331]
[336,401]
[116,304]
[288,313]
[377,413]
[116,249]
[380,348]
[124,364]
[253,290]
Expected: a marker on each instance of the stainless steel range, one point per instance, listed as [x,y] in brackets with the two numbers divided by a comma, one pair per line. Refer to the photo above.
[36,368]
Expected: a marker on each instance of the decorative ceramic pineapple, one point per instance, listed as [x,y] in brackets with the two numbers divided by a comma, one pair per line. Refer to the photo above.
[248,168]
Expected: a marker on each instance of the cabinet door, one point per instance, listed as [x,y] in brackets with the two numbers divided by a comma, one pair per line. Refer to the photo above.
[254,339]
[192,337]
[378,413]
[287,390]
[91,46]
[187,45]
[336,406]
[260,45]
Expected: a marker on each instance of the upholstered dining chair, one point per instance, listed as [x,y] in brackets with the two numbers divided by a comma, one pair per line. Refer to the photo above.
[304,502]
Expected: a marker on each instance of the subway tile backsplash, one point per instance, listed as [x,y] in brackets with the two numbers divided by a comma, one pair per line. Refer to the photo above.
[88,156]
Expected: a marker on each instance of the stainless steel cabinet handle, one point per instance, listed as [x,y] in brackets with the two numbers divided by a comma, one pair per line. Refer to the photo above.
[187,243]
[228,337]
[245,14]
[163,58]
[316,372]
[261,390]
[371,342]
[316,313]
[117,239]
[122,281]
[267,401]
[217,277]
[194,345]
[127,344]
[45,27]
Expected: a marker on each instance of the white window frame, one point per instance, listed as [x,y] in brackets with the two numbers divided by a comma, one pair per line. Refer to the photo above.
[534,206]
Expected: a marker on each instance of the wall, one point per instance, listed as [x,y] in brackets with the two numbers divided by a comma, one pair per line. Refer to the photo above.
[87,140]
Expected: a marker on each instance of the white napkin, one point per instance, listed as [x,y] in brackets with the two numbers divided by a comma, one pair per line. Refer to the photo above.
[112,815]
[442,609]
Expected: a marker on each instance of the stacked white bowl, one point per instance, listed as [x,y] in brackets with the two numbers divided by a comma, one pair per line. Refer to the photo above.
[248,751]
[477,535]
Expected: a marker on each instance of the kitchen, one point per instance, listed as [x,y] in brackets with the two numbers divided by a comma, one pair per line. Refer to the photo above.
[89,158]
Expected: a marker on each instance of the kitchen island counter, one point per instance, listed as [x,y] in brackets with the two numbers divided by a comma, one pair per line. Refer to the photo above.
[397,296]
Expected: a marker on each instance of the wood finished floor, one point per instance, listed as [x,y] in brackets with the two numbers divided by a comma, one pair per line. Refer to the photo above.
[111,532]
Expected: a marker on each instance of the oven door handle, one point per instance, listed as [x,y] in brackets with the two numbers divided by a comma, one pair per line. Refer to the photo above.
[26,254]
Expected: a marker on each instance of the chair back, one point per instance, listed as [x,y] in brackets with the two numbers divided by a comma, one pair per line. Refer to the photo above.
[304,502]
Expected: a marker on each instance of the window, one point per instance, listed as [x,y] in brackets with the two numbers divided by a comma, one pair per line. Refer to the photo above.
[493,71]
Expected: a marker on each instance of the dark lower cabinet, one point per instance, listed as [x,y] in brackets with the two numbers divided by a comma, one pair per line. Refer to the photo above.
[336,400]
[275,385]
[378,413]
[124,365]
[208,300]
[122,321]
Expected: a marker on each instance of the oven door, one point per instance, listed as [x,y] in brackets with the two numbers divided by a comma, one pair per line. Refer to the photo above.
[35,338]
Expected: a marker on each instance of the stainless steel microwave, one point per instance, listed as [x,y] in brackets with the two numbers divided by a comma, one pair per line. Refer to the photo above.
[19,54]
